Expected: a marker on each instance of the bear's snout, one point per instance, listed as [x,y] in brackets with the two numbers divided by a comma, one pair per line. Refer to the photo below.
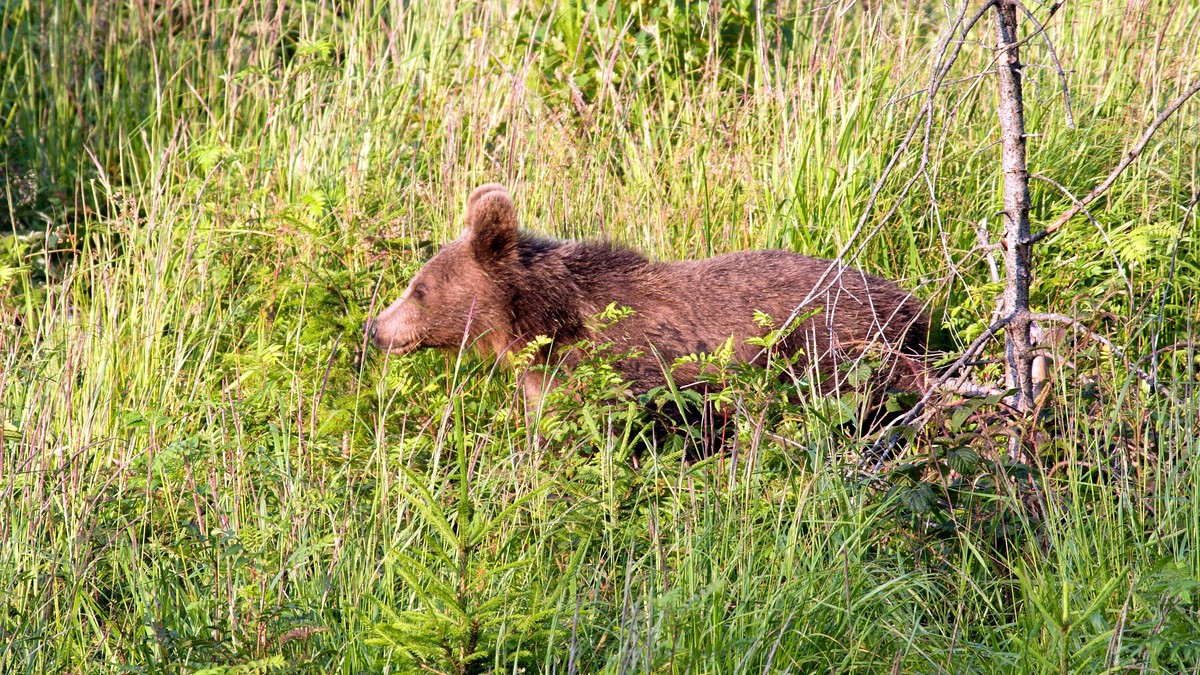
[395,330]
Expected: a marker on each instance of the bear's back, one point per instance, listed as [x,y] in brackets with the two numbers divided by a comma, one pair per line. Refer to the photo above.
[694,306]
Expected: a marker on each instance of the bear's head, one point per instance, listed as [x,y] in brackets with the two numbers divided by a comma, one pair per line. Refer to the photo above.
[460,296]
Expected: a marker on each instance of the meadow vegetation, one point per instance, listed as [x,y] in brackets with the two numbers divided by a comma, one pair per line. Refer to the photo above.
[203,468]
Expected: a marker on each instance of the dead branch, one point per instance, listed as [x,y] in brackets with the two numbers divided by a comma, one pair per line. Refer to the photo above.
[1173,347]
[935,83]
[944,64]
[1018,255]
[1120,168]
[989,251]
[964,387]
[1075,200]
[1069,321]
[1062,75]
[890,435]
[1032,36]
[960,365]
[1095,223]
[947,83]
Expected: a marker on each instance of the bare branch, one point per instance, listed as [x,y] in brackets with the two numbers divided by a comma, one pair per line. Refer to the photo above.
[944,64]
[1124,164]
[1018,258]
[1065,191]
[947,381]
[935,83]
[1062,75]
[1173,347]
[1096,223]
[969,389]
[953,369]
[1069,321]
[989,250]
[947,83]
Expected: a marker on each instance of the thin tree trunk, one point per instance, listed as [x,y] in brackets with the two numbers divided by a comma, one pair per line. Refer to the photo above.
[1017,256]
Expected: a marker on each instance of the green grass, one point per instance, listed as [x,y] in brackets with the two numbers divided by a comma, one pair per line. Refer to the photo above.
[203,469]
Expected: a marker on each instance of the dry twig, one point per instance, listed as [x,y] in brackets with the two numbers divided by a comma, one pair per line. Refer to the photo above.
[1050,317]
[1062,74]
[1095,223]
[941,70]
[956,385]
[1124,164]
[954,368]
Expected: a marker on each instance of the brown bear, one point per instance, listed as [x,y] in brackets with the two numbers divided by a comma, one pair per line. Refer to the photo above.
[497,289]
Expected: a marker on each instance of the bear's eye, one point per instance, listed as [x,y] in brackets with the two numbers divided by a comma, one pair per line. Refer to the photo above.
[418,292]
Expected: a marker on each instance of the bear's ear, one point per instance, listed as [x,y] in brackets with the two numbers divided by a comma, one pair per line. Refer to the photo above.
[479,192]
[491,225]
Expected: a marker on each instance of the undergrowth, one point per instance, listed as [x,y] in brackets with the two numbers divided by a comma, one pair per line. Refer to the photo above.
[204,468]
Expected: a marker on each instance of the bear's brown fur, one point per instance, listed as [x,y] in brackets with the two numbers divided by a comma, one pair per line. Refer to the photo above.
[497,289]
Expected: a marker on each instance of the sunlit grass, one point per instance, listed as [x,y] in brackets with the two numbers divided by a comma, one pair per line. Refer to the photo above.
[203,468]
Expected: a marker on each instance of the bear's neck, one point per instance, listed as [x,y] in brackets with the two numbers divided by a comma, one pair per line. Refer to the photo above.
[557,286]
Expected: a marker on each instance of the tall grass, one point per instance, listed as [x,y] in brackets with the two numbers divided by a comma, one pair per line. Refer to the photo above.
[203,469]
